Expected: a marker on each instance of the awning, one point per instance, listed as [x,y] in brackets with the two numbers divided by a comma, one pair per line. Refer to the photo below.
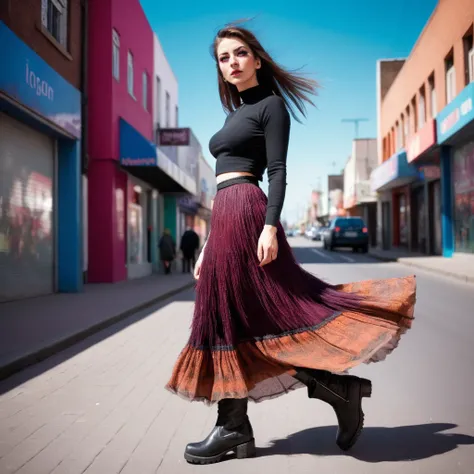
[144,160]
[394,172]
[135,149]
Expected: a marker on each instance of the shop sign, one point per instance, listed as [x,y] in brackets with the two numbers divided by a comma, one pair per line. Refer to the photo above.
[384,173]
[188,205]
[174,136]
[396,171]
[431,172]
[457,114]
[29,80]
[421,141]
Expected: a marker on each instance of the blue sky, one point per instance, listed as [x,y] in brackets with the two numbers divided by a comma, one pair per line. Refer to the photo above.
[337,43]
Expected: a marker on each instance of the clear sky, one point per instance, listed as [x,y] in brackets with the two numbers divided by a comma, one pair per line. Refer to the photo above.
[335,42]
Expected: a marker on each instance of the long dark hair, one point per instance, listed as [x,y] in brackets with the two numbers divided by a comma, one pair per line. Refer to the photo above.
[292,87]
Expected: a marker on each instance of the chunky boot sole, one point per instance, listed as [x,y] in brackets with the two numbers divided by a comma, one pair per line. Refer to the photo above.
[242,451]
[365,390]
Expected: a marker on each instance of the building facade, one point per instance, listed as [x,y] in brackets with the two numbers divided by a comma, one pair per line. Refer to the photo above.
[40,148]
[359,199]
[121,217]
[178,150]
[336,196]
[422,207]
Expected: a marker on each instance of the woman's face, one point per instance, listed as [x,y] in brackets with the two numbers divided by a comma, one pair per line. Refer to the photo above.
[237,63]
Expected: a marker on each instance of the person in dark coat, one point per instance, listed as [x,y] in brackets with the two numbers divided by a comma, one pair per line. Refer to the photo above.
[189,246]
[167,247]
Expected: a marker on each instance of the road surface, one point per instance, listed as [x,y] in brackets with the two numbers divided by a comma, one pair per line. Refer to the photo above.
[100,407]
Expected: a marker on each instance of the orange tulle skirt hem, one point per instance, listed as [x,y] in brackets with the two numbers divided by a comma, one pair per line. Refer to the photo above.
[263,368]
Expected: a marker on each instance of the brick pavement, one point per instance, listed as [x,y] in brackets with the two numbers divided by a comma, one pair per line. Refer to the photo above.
[100,406]
[32,329]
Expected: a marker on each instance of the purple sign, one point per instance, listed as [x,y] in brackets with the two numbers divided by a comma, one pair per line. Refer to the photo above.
[174,136]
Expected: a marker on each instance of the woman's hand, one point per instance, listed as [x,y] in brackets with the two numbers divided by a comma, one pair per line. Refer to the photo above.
[267,250]
[197,267]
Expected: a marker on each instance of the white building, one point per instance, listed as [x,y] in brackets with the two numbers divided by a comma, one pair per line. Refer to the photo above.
[165,91]
[207,187]
[166,116]
[359,199]
[178,150]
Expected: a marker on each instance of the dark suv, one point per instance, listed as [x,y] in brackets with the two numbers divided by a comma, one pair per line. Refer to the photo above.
[347,232]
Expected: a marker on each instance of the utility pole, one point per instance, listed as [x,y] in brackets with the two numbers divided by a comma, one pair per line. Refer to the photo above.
[356,124]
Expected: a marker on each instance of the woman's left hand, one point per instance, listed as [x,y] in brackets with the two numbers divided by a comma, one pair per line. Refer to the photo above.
[267,250]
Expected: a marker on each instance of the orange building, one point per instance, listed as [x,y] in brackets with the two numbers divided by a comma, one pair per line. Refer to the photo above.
[414,179]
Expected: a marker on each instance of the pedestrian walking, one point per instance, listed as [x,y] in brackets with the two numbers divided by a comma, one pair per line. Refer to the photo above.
[167,247]
[262,325]
[189,246]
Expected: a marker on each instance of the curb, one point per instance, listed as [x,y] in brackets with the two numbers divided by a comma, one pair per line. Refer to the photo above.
[57,346]
[456,276]
[382,258]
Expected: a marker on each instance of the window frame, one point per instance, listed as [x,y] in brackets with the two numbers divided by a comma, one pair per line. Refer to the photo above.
[450,84]
[115,54]
[130,74]
[145,90]
[62,7]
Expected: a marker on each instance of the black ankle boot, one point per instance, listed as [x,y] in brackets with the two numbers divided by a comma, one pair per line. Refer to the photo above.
[232,432]
[344,393]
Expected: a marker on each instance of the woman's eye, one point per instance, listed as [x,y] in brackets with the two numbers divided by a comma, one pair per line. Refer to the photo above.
[224,59]
[242,53]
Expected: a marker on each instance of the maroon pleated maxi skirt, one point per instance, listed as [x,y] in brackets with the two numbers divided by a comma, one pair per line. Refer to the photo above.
[253,326]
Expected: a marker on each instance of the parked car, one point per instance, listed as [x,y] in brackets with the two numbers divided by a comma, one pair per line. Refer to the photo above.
[347,232]
[311,232]
[319,233]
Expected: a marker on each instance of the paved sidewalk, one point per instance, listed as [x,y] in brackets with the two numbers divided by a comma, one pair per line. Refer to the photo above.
[100,407]
[459,266]
[33,329]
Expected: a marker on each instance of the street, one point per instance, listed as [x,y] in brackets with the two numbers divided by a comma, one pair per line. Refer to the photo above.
[99,407]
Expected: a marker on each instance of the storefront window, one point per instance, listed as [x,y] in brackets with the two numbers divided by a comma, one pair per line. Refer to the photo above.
[403,221]
[463,182]
[136,225]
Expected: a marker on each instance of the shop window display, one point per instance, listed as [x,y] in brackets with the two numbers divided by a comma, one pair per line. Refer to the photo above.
[463,188]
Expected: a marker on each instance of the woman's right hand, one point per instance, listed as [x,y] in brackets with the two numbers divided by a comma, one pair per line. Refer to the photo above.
[197,268]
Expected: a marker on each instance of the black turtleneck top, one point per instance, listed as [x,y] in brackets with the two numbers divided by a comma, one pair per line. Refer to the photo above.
[254,138]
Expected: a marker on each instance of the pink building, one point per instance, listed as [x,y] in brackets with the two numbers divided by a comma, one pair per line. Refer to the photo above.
[120,133]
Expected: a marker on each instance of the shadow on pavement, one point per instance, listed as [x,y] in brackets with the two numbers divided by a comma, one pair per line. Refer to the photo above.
[376,444]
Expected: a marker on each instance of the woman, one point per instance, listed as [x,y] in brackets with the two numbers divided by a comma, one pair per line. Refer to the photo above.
[262,325]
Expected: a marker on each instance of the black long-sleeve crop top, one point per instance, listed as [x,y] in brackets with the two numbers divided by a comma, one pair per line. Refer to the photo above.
[254,138]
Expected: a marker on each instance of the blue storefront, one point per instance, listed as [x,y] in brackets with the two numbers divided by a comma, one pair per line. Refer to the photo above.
[455,130]
[138,156]
[391,181]
[40,169]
